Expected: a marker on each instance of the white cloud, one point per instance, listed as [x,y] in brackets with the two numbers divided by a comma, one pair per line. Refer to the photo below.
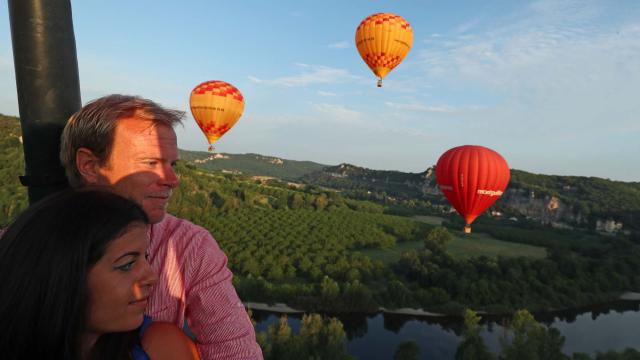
[421,107]
[564,12]
[326,93]
[340,113]
[467,26]
[339,45]
[557,65]
[312,74]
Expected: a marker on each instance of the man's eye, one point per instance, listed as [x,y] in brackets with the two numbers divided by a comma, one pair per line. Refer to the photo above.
[126,267]
[146,256]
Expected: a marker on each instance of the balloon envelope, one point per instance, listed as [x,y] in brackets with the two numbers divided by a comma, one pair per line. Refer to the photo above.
[383,40]
[472,178]
[216,106]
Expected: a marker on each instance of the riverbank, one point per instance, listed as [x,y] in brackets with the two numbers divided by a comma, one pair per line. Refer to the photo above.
[276,308]
[285,309]
[631,296]
[282,308]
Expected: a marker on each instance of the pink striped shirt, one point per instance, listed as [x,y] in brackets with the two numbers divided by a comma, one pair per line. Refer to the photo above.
[194,282]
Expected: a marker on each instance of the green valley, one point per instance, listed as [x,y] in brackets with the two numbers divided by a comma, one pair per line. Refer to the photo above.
[357,248]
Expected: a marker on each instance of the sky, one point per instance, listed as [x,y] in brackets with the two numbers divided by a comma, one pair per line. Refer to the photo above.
[553,86]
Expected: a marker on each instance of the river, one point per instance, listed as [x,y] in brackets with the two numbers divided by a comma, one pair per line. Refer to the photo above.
[598,328]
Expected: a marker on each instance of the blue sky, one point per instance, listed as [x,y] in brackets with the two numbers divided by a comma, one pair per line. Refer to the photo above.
[554,86]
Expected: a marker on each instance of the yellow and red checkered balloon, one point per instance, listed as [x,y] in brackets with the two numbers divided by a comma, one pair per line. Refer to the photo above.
[383,40]
[216,106]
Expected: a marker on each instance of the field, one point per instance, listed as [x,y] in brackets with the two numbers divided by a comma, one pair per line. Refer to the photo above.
[431,220]
[463,246]
[478,244]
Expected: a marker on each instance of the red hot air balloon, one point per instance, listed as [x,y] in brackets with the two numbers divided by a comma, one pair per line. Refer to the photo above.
[472,178]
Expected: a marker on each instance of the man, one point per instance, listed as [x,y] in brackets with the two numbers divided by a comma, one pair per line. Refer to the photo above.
[128,143]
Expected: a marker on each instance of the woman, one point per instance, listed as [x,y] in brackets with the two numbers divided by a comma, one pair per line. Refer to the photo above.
[74,283]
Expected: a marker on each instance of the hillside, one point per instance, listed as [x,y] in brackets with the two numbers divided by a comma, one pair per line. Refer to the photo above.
[575,199]
[13,196]
[350,177]
[562,201]
[323,249]
[251,164]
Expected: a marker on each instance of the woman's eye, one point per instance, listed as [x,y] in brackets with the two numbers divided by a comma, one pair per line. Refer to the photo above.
[146,256]
[126,267]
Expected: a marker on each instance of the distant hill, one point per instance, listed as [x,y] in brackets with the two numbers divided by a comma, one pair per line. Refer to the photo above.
[589,202]
[394,183]
[573,201]
[251,164]
[561,201]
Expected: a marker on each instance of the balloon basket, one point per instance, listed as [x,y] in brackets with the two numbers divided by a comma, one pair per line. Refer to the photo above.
[380,83]
[467,229]
[212,149]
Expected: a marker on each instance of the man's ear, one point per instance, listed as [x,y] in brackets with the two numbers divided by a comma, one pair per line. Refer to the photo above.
[87,164]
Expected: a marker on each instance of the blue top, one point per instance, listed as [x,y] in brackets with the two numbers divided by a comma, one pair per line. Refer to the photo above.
[138,352]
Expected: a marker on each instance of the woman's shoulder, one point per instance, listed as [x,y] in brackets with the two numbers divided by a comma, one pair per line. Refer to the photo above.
[162,340]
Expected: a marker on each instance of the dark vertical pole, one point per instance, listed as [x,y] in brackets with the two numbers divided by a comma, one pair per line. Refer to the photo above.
[44,54]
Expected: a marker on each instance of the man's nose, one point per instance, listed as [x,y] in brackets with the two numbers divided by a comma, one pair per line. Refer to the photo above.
[169,177]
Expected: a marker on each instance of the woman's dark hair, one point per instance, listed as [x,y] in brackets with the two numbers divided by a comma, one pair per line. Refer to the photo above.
[45,256]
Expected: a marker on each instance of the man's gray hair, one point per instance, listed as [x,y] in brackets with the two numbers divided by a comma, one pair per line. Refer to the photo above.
[93,127]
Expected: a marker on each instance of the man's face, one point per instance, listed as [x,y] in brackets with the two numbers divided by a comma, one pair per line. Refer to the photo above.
[141,165]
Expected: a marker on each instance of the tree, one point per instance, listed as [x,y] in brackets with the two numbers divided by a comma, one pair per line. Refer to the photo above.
[472,347]
[321,202]
[407,350]
[318,339]
[531,340]
[437,239]
[281,341]
[321,339]
[329,289]
[357,297]
[398,294]
[296,201]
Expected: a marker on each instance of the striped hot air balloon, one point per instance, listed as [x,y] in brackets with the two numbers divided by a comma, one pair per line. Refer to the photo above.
[383,40]
[216,106]
[472,178]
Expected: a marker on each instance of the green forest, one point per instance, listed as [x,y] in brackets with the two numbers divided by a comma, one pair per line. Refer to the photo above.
[323,249]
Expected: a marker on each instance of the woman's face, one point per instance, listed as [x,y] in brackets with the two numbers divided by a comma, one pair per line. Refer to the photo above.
[120,282]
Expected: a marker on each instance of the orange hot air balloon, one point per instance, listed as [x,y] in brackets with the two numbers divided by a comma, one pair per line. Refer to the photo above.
[472,178]
[216,106]
[383,40]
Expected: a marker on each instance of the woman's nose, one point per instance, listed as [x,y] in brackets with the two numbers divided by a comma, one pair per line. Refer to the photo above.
[149,277]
